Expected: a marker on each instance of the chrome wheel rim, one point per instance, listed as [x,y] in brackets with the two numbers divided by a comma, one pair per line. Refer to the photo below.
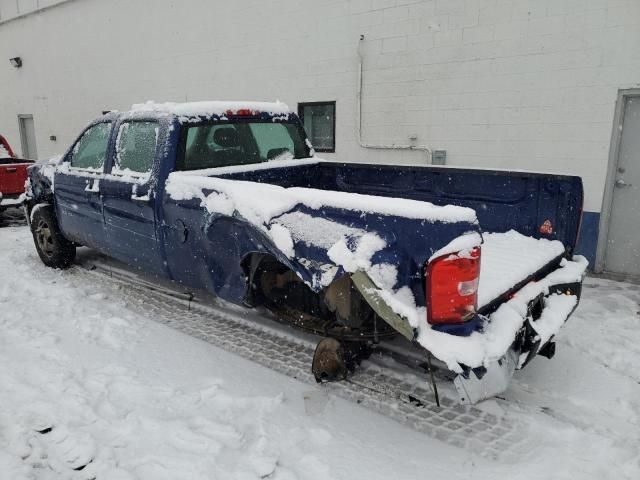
[44,238]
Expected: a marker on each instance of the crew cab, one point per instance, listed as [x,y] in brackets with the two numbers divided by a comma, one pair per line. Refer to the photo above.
[473,268]
[13,175]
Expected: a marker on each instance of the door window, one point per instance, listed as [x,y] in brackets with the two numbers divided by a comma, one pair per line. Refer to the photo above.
[90,151]
[136,147]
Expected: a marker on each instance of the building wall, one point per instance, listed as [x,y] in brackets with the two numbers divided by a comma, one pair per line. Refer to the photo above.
[10,9]
[518,84]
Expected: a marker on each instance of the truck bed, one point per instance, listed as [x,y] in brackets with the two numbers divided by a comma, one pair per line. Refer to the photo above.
[502,200]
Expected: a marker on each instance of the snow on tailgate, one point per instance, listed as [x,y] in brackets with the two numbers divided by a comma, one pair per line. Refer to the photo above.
[481,348]
[509,258]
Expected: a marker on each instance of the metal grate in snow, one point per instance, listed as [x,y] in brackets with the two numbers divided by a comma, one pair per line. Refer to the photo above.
[372,386]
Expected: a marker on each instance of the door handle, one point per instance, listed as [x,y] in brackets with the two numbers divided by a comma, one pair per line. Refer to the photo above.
[93,186]
[622,184]
[11,170]
[140,198]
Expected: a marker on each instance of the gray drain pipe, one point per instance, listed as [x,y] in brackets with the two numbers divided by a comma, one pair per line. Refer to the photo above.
[422,148]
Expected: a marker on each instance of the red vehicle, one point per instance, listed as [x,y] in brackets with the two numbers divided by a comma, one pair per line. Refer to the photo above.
[13,175]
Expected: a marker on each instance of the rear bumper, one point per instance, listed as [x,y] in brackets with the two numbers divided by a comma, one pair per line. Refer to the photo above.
[543,317]
[507,339]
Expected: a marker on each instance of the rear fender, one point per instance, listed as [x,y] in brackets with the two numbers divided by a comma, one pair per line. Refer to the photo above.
[231,246]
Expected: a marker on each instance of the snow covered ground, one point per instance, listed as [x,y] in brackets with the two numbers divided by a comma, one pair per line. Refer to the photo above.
[111,388]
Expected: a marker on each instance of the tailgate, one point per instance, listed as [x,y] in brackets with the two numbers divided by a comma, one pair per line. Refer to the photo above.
[509,261]
[12,178]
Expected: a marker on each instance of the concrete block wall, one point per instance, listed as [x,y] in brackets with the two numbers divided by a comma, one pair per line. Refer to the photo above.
[10,9]
[516,84]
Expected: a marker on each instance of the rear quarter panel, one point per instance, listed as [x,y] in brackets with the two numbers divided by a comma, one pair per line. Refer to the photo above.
[206,250]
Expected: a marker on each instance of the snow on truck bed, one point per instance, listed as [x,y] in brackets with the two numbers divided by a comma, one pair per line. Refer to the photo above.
[276,200]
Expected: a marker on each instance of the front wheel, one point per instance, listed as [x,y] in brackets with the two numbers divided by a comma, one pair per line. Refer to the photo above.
[54,250]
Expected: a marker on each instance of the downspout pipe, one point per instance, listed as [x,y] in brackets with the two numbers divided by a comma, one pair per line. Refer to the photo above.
[392,146]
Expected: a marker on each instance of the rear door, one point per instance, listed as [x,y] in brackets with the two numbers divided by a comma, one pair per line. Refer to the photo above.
[77,187]
[622,253]
[128,196]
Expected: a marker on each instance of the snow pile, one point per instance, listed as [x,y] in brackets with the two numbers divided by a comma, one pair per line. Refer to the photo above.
[384,275]
[282,239]
[354,253]
[189,110]
[508,258]
[316,231]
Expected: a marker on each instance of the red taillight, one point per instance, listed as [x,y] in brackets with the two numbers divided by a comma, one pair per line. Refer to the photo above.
[452,287]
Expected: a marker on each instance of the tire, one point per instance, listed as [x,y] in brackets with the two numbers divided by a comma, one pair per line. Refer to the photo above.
[54,250]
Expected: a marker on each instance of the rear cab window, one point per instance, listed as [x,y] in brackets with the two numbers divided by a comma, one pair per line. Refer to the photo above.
[223,144]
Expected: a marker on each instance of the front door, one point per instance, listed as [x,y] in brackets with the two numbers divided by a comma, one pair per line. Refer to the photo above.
[128,197]
[623,245]
[77,187]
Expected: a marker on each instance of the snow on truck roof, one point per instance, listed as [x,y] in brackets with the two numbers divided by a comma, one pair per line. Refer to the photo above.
[210,108]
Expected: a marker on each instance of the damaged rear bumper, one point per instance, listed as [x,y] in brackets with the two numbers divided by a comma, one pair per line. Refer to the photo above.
[493,378]
[525,326]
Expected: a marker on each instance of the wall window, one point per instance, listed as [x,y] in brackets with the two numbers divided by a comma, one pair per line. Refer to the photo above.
[91,150]
[136,146]
[319,119]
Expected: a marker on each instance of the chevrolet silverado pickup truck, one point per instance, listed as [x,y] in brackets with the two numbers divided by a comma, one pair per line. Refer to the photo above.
[471,268]
[13,175]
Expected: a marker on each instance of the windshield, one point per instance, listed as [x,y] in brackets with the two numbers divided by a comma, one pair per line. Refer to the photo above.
[242,143]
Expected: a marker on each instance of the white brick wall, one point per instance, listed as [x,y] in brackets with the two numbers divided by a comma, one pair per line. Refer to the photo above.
[526,84]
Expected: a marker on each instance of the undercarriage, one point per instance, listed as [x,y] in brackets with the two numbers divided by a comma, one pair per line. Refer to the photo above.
[338,312]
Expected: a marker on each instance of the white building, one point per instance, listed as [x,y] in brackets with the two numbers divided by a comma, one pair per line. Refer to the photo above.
[516,84]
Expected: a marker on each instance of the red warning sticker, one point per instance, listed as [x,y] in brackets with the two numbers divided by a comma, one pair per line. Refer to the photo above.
[546,228]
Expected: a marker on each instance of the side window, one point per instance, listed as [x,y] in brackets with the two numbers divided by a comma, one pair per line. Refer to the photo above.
[91,149]
[136,146]
[319,120]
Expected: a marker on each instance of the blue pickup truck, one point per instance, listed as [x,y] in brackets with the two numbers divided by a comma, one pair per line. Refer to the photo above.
[473,268]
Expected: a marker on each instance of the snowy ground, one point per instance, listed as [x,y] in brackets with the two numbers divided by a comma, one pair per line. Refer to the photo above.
[141,400]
